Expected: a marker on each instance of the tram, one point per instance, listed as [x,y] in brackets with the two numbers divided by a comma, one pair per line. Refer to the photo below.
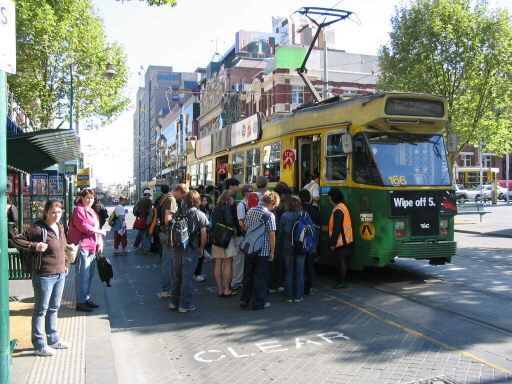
[386,152]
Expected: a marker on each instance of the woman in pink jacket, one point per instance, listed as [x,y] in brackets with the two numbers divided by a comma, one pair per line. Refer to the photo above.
[85,229]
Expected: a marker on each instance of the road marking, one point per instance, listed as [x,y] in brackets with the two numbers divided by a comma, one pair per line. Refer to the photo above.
[419,334]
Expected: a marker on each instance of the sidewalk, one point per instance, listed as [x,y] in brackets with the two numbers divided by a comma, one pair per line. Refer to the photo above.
[496,223]
[90,358]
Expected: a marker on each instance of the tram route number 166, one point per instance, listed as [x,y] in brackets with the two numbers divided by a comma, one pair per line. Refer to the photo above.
[397,180]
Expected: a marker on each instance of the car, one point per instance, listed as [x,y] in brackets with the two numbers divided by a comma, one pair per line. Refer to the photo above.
[502,193]
[477,193]
[460,192]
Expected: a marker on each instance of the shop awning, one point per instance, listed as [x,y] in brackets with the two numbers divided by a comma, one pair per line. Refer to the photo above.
[33,151]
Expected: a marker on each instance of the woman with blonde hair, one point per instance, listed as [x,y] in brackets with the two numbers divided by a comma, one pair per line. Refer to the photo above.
[46,241]
[222,217]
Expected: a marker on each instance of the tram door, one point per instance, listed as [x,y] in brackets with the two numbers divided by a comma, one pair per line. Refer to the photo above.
[308,159]
[221,171]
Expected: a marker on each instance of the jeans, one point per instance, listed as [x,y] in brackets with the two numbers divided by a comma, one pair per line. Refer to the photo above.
[138,239]
[85,264]
[166,268]
[276,268]
[146,241]
[47,294]
[255,281]
[182,283]
[293,273]
[238,263]
[309,271]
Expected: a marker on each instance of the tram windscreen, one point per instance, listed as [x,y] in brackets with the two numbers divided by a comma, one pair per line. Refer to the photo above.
[405,160]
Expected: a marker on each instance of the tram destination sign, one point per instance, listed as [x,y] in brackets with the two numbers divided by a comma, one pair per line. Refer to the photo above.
[414,107]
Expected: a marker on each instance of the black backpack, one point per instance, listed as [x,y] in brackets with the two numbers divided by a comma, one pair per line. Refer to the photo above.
[178,234]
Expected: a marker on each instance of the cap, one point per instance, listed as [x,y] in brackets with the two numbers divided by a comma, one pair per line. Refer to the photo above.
[146,192]
[261,181]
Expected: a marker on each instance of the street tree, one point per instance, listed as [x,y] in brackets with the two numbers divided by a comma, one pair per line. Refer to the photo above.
[461,51]
[53,36]
[155,3]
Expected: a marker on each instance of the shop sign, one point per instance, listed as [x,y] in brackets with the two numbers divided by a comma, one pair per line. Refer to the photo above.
[70,169]
[204,147]
[246,130]
[8,36]
[289,157]
[83,179]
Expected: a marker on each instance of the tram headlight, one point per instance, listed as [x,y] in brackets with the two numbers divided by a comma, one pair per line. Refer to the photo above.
[400,228]
[444,225]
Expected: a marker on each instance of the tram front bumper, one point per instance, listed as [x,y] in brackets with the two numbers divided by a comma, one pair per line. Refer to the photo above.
[427,249]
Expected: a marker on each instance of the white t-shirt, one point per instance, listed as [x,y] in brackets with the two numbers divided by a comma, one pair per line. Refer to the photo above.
[314,190]
[241,209]
[119,210]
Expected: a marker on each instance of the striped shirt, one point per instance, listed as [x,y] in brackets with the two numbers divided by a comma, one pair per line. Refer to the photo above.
[254,216]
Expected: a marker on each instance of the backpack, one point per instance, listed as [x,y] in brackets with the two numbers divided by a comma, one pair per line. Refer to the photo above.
[112,219]
[303,236]
[178,237]
[136,211]
[153,220]
[253,200]
[252,243]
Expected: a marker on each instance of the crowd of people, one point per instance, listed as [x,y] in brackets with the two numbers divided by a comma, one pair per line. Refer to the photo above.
[186,227]
[217,226]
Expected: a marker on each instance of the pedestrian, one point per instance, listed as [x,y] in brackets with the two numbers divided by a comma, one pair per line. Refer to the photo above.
[49,270]
[12,218]
[201,189]
[238,259]
[313,187]
[185,260]
[119,227]
[164,202]
[168,209]
[102,212]
[340,235]
[261,185]
[210,191]
[314,214]
[205,208]
[85,230]
[256,266]
[143,208]
[276,277]
[224,216]
[231,184]
[294,261]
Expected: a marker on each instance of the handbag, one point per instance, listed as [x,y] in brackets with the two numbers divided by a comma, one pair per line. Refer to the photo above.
[139,223]
[71,252]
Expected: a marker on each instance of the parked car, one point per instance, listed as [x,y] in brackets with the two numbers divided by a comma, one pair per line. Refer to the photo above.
[502,193]
[460,192]
[484,193]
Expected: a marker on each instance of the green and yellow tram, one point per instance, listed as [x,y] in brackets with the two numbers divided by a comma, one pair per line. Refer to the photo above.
[386,152]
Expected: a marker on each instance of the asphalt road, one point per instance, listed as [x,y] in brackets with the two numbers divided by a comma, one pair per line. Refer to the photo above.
[406,323]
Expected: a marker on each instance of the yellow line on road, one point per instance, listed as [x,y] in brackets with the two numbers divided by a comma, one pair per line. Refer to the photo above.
[419,334]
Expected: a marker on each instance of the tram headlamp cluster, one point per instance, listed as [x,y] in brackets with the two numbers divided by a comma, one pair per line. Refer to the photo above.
[400,228]
[444,225]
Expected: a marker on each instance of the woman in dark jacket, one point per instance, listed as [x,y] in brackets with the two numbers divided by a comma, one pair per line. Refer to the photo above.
[223,214]
[49,270]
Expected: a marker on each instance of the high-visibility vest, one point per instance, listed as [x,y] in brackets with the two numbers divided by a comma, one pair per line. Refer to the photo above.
[347,225]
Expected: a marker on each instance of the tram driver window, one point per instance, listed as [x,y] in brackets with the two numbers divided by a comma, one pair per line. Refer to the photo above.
[364,169]
[238,166]
[335,159]
[272,161]
[253,165]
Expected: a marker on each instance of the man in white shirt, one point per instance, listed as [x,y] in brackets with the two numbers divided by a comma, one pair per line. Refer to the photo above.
[314,189]
[120,227]
[238,260]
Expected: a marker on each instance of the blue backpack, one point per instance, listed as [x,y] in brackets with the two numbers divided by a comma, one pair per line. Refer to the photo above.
[303,236]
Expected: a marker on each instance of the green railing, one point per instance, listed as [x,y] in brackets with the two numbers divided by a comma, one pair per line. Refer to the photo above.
[17,269]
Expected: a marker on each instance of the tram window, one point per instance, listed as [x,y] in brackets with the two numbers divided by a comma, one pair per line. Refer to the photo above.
[238,166]
[364,169]
[272,161]
[335,159]
[200,179]
[193,175]
[253,165]
[208,170]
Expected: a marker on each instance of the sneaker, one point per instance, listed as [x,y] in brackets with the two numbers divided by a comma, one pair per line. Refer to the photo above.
[237,287]
[272,291]
[199,278]
[340,285]
[173,306]
[91,304]
[146,252]
[165,295]
[82,307]
[308,291]
[123,252]
[60,345]
[137,247]
[116,253]
[267,305]
[45,351]
[189,309]
[298,300]
[280,289]
[289,300]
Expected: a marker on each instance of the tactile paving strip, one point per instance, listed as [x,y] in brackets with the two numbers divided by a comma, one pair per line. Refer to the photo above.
[68,365]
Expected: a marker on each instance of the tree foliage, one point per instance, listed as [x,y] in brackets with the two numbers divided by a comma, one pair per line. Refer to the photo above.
[155,3]
[51,36]
[449,48]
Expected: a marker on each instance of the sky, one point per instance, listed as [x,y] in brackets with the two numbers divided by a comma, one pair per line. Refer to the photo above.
[185,37]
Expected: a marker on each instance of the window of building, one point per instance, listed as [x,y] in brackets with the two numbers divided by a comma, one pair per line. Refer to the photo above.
[465,159]
[486,161]
[297,95]
[193,175]
[335,158]
[200,179]
[253,164]
[208,169]
[272,161]
[238,166]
